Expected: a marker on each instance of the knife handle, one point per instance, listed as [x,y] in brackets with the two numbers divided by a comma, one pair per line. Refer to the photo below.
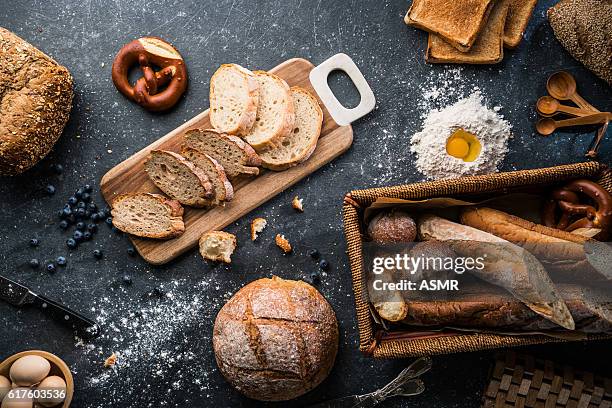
[84,326]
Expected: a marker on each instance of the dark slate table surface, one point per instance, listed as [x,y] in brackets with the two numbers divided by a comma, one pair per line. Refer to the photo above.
[165,344]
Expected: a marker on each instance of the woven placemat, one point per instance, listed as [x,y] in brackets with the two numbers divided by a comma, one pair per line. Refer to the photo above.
[520,380]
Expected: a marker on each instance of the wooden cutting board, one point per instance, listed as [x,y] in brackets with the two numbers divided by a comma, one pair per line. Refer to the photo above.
[129,176]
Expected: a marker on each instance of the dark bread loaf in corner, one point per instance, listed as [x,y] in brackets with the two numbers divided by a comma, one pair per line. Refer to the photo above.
[275,339]
[35,103]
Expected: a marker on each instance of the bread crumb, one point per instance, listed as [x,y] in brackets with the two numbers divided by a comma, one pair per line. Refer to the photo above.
[257,225]
[297,204]
[110,361]
[282,243]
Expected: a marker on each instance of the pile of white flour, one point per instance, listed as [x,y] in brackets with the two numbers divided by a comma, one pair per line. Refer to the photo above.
[472,115]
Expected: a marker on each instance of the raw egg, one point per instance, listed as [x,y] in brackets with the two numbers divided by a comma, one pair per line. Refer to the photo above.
[463,145]
[5,386]
[19,399]
[54,391]
[29,370]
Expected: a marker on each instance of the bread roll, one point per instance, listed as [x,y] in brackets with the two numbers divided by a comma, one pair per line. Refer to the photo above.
[35,103]
[392,226]
[275,339]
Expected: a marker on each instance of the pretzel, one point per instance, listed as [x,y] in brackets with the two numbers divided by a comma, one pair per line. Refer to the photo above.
[576,215]
[148,52]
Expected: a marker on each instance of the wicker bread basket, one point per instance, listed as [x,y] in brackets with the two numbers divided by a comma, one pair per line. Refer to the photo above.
[374,340]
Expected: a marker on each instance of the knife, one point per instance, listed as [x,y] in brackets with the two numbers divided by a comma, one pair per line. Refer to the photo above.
[20,296]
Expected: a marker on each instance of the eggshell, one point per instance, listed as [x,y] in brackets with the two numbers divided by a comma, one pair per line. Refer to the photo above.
[29,370]
[5,386]
[8,402]
[51,383]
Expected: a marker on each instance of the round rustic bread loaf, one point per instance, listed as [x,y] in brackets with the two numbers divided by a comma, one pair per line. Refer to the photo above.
[275,339]
[35,103]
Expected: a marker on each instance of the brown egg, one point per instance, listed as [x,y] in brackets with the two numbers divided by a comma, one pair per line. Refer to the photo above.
[5,386]
[53,391]
[16,399]
[29,370]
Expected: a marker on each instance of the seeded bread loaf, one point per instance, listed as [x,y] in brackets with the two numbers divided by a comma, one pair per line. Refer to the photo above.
[179,178]
[234,96]
[222,188]
[275,113]
[35,103]
[148,215]
[275,339]
[235,155]
[217,246]
[299,145]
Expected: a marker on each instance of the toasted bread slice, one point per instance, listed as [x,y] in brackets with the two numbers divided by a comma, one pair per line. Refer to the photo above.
[217,246]
[234,95]
[179,178]
[458,22]
[148,215]
[275,113]
[488,48]
[301,143]
[235,155]
[519,15]
[223,190]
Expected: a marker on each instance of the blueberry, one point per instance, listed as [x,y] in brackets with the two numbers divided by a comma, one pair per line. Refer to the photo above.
[87,214]
[101,215]
[86,197]
[109,221]
[87,235]
[71,219]
[57,168]
[63,224]
[92,227]
[323,264]
[34,242]
[88,188]
[107,212]
[50,267]
[80,213]
[94,217]
[79,193]
[34,263]
[50,189]
[81,204]
[60,214]
[131,251]
[315,277]
[98,254]
[67,212]
[77,236]
[92,207]
[71,243]
[81,226]
[61,261]
[73,200]
[314,254]
[127,280]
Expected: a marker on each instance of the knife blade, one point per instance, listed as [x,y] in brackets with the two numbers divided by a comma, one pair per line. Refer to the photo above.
[19,295]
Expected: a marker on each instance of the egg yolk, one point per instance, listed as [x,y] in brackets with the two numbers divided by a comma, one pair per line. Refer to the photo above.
[463,145]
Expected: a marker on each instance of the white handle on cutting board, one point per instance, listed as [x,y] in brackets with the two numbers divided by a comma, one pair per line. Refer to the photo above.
[340,114]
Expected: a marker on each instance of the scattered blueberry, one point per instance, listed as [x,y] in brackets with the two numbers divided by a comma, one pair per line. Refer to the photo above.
[323,264]
[77,236]
[73,200]
[79,193]
[63,224]
[86,197]
[50,189]
[107,211]
[87,188]
[34,242]
[80,226]
[87,235]
[57,168]
[92,227]
[50,267]
[81,204]
[127,280]
[315,277]
[71,219]
[92,207]
[61,261]
[67,212]
[94,217]
[97,254]
[314,254]
[71,243]
[34,263]
[80,213]
[60,214]
[109,221]
[131,251]
[101,215]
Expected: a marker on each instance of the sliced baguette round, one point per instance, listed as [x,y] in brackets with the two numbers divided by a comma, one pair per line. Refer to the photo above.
[223,190]
[148,215]
[179,178]
[234,96]
[302,141]
[235,155]
[275,113]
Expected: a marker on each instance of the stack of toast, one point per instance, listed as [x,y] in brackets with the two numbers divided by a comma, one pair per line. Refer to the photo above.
[257,120]
[470,31]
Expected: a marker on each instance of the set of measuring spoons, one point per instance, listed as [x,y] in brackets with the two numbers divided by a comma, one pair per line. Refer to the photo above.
[561,86]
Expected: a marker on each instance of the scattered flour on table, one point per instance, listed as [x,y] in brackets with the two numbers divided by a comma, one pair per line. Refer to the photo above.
[472,115]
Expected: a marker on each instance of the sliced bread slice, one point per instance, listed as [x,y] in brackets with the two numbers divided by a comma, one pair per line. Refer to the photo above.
[275,113]
[234,154]
[234,96]
[179,178]
[301,143]
[148,215]
[519,15]
[223,190]
[217,246]
[488,48]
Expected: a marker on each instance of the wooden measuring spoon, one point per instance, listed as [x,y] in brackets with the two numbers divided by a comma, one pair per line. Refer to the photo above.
[592,153]
[546,126]
[549,106]
[562,86]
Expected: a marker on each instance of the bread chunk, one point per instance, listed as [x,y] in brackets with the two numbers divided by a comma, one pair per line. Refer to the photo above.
[218,246]
[148,215]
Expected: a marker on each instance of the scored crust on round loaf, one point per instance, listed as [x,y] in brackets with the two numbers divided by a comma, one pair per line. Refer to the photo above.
[275,339]
[179,178]
[234,96]
[302,141]
[148,215]
[275,113]
[223,190]
[35,102]
[235,155]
